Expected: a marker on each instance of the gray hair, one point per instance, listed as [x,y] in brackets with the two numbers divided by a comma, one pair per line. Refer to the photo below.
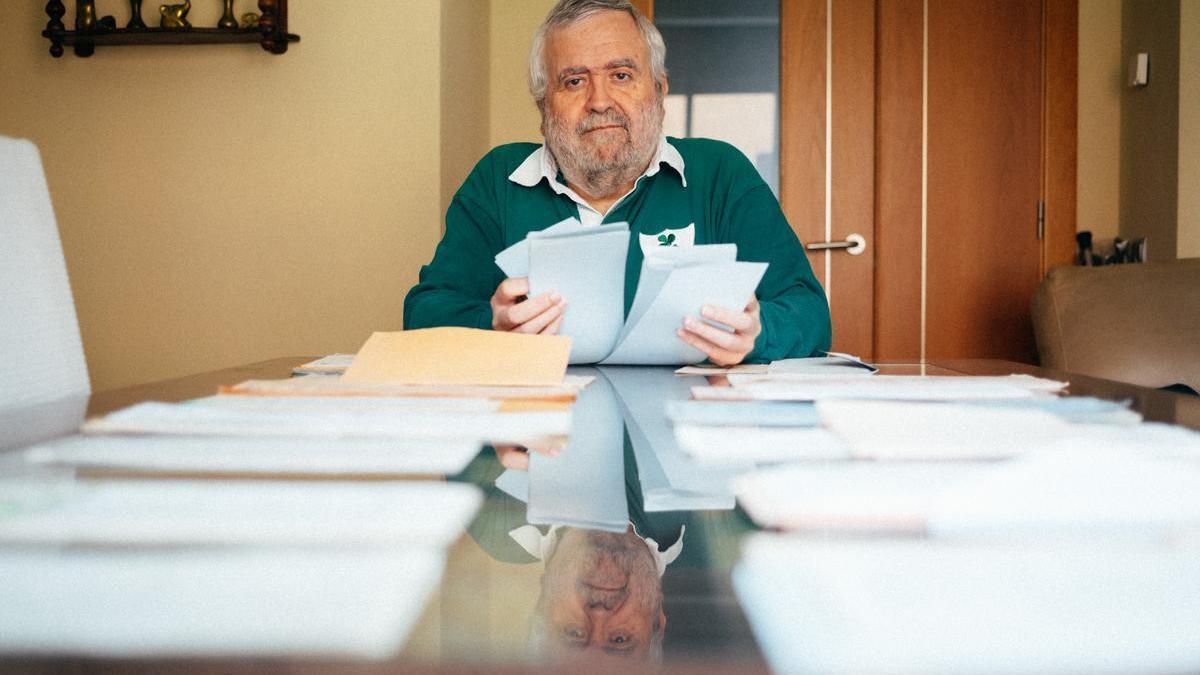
[569,12]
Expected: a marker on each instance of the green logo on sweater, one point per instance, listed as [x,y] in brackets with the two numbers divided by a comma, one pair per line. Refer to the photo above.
[666,239]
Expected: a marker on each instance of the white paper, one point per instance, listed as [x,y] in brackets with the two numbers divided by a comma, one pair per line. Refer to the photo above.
[940,431]
[514,260]
[649,337]
[834,364]
[358,603]
[759,445]
[589,273]
[852,496]
[743,413]
[584,485]
[207,420]
[333,364]
[887,387]
[923,607]
[223,454]
[209,512]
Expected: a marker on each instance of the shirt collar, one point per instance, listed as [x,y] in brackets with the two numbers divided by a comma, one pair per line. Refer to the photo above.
[540,164]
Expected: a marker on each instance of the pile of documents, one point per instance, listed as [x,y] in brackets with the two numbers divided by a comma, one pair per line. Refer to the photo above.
[982,523]
[586,266]
[131,539]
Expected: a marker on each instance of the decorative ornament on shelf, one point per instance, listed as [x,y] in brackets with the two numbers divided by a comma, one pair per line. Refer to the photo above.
[175,16]
[135,15]
[249,20]
[228,19]
[85,16]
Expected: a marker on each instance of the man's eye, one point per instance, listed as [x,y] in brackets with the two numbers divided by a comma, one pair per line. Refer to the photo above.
[574,82]
[575,633]
[620,639]
[622,76]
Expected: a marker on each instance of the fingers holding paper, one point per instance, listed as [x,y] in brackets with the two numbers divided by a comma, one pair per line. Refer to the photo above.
[513,311]
[723,347]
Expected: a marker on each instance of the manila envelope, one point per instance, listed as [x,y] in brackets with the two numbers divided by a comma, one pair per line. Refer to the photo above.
[461,356]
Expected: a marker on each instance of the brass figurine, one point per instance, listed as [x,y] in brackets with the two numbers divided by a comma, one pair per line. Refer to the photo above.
[228,20]
[175,16]
[249,20]
[135,15]
[85,16]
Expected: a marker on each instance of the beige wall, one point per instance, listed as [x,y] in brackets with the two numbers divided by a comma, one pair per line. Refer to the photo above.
[465,85]
[220,205]
[1188,241]
[1099,120]
[514,116]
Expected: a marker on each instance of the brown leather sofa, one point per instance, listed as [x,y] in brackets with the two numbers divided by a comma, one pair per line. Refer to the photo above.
[1137,323]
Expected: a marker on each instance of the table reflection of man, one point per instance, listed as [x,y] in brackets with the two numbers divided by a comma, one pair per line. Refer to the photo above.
[598,78]
[601,597]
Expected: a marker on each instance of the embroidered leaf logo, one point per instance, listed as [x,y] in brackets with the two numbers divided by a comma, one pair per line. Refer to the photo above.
[666,239]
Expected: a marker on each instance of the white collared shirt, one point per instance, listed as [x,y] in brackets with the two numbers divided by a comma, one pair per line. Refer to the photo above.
[541,164]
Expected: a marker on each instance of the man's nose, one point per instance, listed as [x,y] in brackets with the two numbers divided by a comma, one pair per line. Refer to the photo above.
[602,600]
[598,97]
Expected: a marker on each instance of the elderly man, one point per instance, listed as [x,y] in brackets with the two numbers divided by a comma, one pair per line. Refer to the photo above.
[597,73]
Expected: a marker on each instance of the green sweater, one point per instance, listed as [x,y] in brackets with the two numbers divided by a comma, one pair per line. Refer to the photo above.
[725,198]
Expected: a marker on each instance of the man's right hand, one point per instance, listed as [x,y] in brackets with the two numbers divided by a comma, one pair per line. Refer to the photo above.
[512,311]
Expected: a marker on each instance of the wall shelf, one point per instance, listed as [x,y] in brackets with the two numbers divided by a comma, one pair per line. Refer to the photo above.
[271,33]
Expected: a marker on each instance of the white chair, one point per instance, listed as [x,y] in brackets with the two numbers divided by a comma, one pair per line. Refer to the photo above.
[44,383]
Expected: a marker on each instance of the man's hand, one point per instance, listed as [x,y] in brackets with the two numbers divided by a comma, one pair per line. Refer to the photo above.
[512,311]
[722,347]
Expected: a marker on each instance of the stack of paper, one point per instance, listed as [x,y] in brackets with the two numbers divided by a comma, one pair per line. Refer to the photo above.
[880,387]
[214,602]
[586,265]
[333,364]
[181,513]
[921,607]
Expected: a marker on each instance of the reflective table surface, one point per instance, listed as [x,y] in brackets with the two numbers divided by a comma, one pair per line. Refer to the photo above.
[612,549]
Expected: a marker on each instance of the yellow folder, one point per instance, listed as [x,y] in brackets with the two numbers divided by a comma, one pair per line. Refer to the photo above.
[461,356]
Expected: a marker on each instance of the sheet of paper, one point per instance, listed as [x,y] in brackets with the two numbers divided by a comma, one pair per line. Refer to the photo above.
[940,431]
[183,419]
[334,364]
[589,273]
[650,339]
[924,607]
[255,455]
[743,413]
[329,386]
[584,485]
[711,445]
[850,496]
[832,365]
[879,387]
[514,260]
[359,603]
[709,370]
[210,512]
[461,356]
[1080,487]
[1078,409]
[350,405]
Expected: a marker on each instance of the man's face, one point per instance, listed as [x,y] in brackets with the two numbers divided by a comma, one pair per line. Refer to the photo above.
[603,113]
[601,597]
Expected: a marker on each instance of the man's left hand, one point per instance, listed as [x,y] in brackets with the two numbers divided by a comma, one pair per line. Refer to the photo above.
[722,347]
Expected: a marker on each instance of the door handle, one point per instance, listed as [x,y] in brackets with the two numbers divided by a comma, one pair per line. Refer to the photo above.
[854,245]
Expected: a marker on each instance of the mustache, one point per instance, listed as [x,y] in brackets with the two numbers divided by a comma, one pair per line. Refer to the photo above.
[608,118]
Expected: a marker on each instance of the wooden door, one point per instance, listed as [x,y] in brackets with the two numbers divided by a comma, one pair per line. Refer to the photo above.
[926,127]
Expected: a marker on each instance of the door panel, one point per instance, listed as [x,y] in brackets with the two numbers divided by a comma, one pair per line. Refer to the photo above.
[984,177]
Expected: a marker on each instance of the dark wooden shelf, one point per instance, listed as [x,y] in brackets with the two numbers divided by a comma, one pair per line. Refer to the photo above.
[271,33]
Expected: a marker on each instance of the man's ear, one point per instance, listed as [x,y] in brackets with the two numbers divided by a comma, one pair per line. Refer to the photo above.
[665,87]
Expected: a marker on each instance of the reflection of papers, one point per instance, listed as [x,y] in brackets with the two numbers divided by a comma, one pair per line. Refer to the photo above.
[922,431]
[145,512]
[584,485]
[739,445]
[202,454]
[743,413]
[359,603]
[231,420]
[709,370]
[822,366]
[914,606]
[671,481]
[879,387]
